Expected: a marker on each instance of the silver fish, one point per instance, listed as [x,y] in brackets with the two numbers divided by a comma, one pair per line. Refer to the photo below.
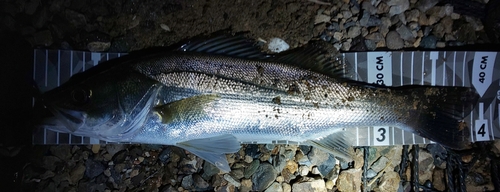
[208,96]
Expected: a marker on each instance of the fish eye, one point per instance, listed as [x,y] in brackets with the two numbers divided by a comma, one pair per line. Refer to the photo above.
[81,95]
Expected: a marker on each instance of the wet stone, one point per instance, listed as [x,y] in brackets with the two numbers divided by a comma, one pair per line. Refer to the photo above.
[263,177]
[327,166]
[231,180]
[236,174]
[252,151]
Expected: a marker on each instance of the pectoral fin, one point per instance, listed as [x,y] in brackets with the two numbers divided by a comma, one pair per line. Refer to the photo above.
[213,149]
[338,144]
[189,109]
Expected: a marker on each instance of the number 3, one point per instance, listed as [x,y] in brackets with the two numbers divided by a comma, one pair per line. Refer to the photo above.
[382,134]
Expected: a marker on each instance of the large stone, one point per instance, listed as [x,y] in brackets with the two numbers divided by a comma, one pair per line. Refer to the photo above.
[349,180]
[316,185]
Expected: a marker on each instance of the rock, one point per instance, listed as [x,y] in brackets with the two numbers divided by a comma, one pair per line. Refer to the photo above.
[425,166]
[412,16]
[236,174]
[303,170]
[47,174]
[321,19]
[286,187]
[302,159]
[358,159]
[50,162]
[354,31]
[370,44]
[31,6]
[380,164]
[405,33]
[93,168]
[440,44]
[246,185]
[252,151]
[424,5]
[199,183]
[393,40]
[386,24]
[275,187]
[263,177]
[369,8]
[277,45]
[248,159]
[389,181]
[382,8]
[325,167]
[98,46]
[438,179]
[95,148]
[349,180]
[398,6]
[329,184]
[77,173]
[40,19]
[78,20]
[250,170]
[375,37]
[371,173]
[112,149]
[63,152]
[187,182]
[428,42]
[316,185]
[231,180]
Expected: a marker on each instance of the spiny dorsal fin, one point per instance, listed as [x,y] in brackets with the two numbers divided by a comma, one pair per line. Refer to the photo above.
[318,57]
[224,43]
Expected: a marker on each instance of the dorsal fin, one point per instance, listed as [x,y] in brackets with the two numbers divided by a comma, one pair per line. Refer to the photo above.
[224,43]
[316,56]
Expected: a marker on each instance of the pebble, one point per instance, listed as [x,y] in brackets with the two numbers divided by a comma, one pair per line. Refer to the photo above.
[98,46]
[275,187]
[428,42]
[93,168]
[277,45]
[393,40]
[321,19]
[405,33]
[349,180]
[425,166]
[77,173]
[248,159]
[286,187]
[316,186]
[263,177]
[303,170]
[231,180]
[251,169]
[329,184]
[398,6]
[354,31]
[187,182]
[371,173]
[438,179]
[246,185]
[380,164]
[389,181]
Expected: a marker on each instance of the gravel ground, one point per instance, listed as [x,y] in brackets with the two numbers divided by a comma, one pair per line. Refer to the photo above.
[123,26]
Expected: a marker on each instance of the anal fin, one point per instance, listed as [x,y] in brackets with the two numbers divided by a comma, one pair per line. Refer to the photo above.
[338,144]
[213,149]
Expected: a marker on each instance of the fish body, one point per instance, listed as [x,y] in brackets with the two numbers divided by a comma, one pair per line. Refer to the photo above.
[209,96]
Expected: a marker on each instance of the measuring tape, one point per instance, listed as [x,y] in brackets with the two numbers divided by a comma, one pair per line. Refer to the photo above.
[438,68]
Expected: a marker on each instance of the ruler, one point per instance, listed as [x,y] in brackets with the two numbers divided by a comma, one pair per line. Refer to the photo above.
[481,70]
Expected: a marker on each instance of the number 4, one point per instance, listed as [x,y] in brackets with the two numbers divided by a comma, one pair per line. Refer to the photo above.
[482,131]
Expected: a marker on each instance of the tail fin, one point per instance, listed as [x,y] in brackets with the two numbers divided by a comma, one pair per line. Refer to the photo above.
[438,113]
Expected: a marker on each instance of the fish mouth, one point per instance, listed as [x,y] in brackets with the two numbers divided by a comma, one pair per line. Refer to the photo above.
[71,119]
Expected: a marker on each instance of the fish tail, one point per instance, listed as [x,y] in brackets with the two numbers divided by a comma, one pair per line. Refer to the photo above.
[438,113]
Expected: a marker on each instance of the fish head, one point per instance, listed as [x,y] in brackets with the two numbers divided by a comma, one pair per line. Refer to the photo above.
[108,105]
